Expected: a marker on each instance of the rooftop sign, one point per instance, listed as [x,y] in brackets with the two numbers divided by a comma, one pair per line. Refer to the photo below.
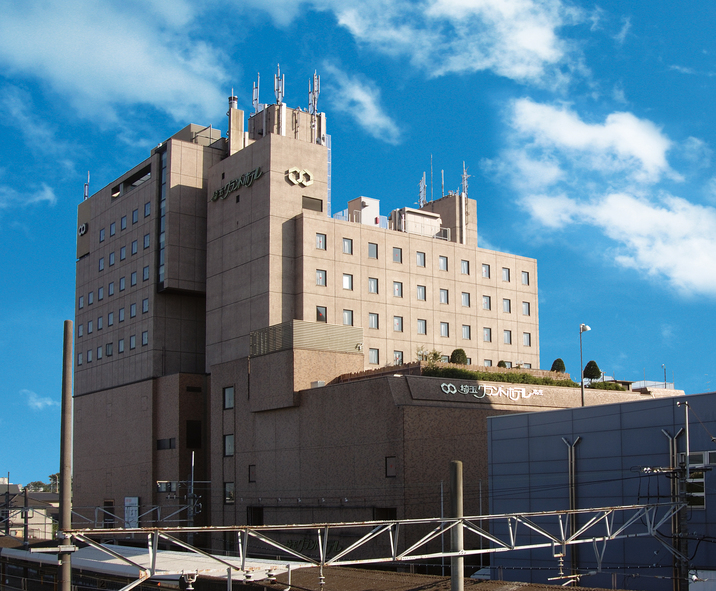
[480,391]
[245,180]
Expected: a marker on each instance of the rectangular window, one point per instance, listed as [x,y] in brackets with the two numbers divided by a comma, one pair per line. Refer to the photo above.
[89,355]
[81,302]
[525,278]
[526,339]
[443,263]
[486,302]
[506,306]
[145,273]
[193,434]
[397,358]
[320,277]
[121,314]
[321,314]
[347,281]
[132,342]
[90,298]
[373,356]
[391,470]
[486,271]
[505,274]
[99,323]
[111,259]
[525,308]
[132,310]
[465,267]
[398,323]
[347,317]
[372,320]
[99,353]
[120,346]
[101,235]
[229,493]
[421,293]
[228,397]
[372,285]
[465,299]
[101,264]
[108,349]
[487,362]
[145,338]
[508,364]
[469,361]
[444,329]
[112,228]
[89,327]
[444,296]
[507,337]
[347,246]
[100,294]
[121,284]
[466,334]
[397,289]
[372,250]
[527,365]
[397,255]
[122,253]
[321,241]
[110,318]
[310,203]
[79,358]
[145,305]
[123,223]
[487,335]
[80,332]
[135,216]
[147,209]
[420,259]
[252,477]
[146,241]
[134,247]
[133,278]
[228,446]
[422,326]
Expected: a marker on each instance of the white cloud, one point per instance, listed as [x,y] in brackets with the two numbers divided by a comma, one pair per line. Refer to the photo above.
[360,99]
[36,402]
[10,197]
[620,37]
[101,56]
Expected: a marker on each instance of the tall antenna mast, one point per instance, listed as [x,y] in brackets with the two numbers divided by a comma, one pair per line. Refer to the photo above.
[442,174]
[87,186]
[431,177]
[278,84]
[465,176]
[422,198]
[255,100]
[314,89]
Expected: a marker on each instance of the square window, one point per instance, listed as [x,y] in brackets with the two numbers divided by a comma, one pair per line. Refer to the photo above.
[228,445]
[99,353]
[525,308]
[348,317]
[397,289]
[133,278]
[507,337]
[147,209]
[146,241]
[347,281]
[135,216]
[132,310]
[422,326]
[420,259]
[444,329]
[373,356]
[99,323]
[506,306]
[508,364]
[111,259]
[397,358]
[145,305]
[486,271]
[372,250]
[112,228]
[123,222]
[465,299]
[486,302]
[465,267]
[132,342]
[145,273]
[445,359]
[145,337]
[122,253]
[397,255]
[108,350]
[487,362]
[121,284]
[229,493]
[100,294]
[398,323]
[372,285]
[466,334]
[443,263]
[320,277]
[321,241]
[347,246]
[525,278]
[526,339]
[487,335]
[89,355]
[134,247]
[79,358]
[421,293]
[228,397]
[321,314]
[80,330]
[101,235]
[90,298]
[505,274]
[120,346]
[101,264]
[372,320]
[121,314]
[81,302]
[110,318]
[444,296]
[90,326]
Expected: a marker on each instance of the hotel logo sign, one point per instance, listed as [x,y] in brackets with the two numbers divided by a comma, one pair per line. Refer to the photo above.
[245,180]
[480,391]
[296,176]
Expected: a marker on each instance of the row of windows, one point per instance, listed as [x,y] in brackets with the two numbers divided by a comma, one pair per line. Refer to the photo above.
[110,318]
[108,349]
[443,262]
[123,252]
[123,221]
[122,284]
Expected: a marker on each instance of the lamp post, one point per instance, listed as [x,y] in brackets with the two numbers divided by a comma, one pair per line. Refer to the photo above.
[664,368]
[582,328]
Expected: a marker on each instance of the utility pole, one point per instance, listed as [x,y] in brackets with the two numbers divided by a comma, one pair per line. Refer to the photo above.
[457,563]
[66,462]
[25,520]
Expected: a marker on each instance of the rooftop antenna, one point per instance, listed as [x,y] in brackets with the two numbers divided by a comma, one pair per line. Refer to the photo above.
[431,177]
[314,89]
[465,176]
[255,100]
[233,101]
[278,84]
[442,173]
[87,186]
[422,199]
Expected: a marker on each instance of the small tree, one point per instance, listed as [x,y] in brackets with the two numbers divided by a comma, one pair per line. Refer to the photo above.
[592,371]
[458,356]
[501,363]
[558,365]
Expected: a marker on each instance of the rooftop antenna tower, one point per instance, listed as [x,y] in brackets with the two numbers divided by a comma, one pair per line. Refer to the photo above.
[278,84]
[422,199]
[314,89]
[87,186]
[465,176]
[255,100]
[431,177]
[442,174]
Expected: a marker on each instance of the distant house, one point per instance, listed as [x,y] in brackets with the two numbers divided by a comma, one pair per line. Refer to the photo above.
[42,512]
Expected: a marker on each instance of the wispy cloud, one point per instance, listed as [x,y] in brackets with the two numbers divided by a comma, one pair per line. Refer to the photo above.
[360,98]
[10,197]
[620,37]
[37,402]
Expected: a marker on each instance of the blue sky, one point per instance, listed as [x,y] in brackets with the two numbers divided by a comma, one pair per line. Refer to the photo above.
[588,130]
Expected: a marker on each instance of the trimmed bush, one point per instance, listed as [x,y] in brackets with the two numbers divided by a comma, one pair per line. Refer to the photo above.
[459,373]
[592,371]
[458,356]
[558,365]
[606,386]
[501,363]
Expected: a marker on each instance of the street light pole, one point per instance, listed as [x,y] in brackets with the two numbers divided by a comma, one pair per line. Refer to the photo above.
[582,328]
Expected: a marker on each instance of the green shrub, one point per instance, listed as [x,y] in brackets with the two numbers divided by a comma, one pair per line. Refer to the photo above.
[459,356]
[558,365]
[459,373]
[606,386]
[592,371]
[501,363]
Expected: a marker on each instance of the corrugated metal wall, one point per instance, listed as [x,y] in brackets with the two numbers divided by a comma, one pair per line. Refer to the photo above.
[299,334]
